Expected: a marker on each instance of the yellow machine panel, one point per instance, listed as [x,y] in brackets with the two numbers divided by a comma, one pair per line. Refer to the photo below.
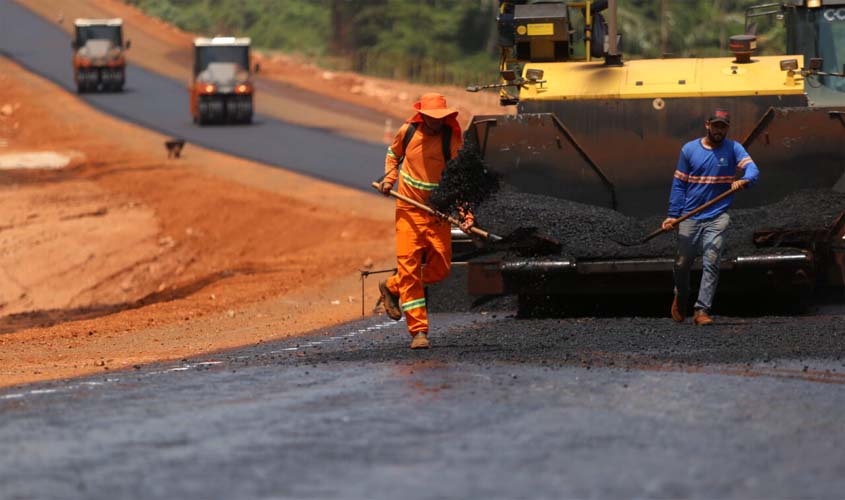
[665,78]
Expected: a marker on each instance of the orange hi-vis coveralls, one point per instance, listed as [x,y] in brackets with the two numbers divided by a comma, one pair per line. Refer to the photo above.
[418,234]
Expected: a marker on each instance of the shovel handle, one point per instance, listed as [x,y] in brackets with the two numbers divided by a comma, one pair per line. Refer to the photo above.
[706,205]
[655,233]
[693,212]
[422,206]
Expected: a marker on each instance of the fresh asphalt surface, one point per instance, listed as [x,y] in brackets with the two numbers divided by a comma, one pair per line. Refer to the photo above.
[499,408]
[160,103]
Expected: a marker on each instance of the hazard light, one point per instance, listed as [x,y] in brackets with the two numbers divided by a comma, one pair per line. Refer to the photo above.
[242,89]
[533,75]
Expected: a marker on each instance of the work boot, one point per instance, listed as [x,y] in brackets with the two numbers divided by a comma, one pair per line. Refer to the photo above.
[677,315]
[420,341]
[390,302]
[701,318]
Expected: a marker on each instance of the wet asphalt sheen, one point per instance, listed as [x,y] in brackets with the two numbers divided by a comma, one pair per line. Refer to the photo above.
[499,408]
[161,104]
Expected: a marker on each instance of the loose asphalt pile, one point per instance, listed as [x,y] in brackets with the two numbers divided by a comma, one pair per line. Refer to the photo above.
[466,182]
[592,232]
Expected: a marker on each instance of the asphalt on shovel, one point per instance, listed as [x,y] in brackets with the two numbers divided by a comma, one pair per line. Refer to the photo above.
[684,217]
[523,240]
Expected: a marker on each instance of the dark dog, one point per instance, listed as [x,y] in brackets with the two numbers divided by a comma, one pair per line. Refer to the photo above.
[174,147]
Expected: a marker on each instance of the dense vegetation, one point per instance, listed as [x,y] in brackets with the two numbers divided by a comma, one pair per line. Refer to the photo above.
[443,40]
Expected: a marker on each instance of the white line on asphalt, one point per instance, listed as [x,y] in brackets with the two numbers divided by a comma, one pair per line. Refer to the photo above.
[182,368]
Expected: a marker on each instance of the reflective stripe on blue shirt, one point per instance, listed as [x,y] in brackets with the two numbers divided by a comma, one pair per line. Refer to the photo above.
[703,174]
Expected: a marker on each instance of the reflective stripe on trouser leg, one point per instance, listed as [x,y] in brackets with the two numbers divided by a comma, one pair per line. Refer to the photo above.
[417,233]
[414,304]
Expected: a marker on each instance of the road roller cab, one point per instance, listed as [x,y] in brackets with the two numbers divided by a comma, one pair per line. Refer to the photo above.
[99,62]
[221,89]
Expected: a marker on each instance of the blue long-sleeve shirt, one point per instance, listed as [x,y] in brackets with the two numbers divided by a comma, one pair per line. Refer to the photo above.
[704,173]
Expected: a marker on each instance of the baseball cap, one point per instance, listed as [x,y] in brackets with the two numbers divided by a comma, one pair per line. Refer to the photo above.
[720,115]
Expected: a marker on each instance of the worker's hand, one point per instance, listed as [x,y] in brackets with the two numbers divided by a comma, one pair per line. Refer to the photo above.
[467,218]
[740,184]
[385,188]
[669,223]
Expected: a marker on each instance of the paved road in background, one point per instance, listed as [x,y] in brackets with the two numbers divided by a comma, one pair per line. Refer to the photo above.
[161,104]
[499,409]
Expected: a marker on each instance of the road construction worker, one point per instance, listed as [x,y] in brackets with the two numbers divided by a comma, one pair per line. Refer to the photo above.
[423,145]
[707,167]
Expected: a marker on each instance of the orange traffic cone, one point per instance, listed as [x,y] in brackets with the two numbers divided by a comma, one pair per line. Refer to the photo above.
[388,131]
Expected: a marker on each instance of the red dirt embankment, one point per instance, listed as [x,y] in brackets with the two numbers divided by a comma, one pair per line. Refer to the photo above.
[126,257]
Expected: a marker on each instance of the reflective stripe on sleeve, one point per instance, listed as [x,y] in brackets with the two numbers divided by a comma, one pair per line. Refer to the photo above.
[391,154]
[744,162]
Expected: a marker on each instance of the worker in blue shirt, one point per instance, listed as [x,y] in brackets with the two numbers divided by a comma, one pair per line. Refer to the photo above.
[706,168]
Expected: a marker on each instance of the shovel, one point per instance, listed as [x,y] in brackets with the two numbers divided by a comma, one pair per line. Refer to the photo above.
[455,222]
[524,240]
[684,217]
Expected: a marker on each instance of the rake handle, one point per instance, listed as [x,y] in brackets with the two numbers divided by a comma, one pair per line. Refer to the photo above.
[422,206]
[692,212]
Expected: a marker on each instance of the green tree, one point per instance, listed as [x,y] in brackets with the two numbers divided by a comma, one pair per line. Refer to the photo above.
[446,40]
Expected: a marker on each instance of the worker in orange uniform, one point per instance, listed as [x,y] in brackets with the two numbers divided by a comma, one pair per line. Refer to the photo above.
[422,146]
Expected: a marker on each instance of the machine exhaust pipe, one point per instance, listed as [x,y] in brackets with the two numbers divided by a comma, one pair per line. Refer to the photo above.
[613,57]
